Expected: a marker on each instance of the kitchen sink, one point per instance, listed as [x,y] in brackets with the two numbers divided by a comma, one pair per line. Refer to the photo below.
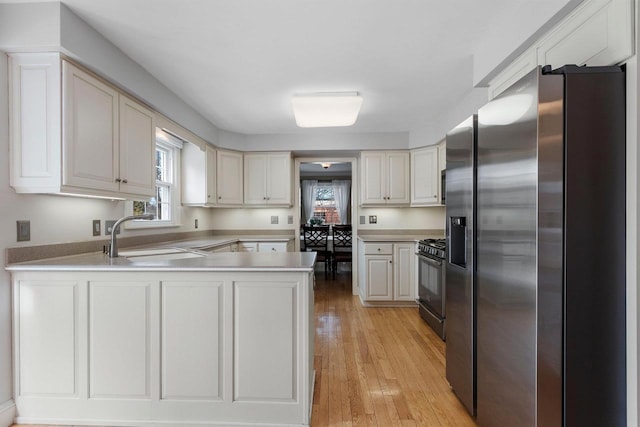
[161,254]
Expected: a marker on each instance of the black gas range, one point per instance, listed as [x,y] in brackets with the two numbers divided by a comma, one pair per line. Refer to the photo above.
[432,283]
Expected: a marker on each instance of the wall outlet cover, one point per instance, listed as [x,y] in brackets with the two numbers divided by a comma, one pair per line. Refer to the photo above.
[290,219]
[274,219]
[363,219]
[373,219]
[23,231]
[108,225]
[96,227]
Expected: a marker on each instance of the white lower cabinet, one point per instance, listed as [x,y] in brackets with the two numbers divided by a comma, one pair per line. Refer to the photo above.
[264,246]
[387,272]
[180,348]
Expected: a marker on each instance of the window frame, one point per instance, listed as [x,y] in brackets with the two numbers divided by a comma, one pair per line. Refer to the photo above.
[174,193]
[333,207]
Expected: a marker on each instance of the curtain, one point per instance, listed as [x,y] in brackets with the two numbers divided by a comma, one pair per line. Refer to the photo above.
[308,198]
[341,194]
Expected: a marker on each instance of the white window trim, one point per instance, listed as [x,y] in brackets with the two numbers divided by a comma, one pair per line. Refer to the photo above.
[175,197]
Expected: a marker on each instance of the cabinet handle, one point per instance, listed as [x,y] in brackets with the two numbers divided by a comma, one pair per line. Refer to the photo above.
[390,262]
[118,180]
[124,181]
[208,196]
[219,197]
[378,249]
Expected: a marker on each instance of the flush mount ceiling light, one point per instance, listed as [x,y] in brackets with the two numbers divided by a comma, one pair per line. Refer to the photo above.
[326,109]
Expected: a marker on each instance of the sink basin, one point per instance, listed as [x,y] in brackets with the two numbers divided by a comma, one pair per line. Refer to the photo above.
[163,257]
[145,252]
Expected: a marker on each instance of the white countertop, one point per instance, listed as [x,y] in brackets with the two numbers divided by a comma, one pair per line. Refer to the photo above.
[228,261]
[194,260]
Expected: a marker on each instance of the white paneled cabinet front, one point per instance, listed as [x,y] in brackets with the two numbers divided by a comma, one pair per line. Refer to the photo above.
[267,179]
[215,348]
[229,188]
[425,176]
[385,178]
[73,133]
[90,131]
[198,175]
[265,350]
[119,340]
[388,272]
[46,339]
[190,360]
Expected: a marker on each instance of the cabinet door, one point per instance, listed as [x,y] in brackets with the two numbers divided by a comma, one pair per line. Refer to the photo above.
[373,187]
[137,149]
[210,173]
[89,131]
[272,247]
[442,156]
[379,278]
[255,182]
[398,178]
[403,272]
[279,179]
[229,175]
[425,176]
[194,175]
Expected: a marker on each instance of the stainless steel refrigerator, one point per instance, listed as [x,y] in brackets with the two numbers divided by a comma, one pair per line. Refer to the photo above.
[536,252]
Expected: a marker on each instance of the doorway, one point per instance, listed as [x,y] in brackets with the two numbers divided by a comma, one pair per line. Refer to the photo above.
[327,175]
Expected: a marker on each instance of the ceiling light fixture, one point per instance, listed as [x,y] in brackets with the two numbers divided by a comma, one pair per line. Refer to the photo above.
[326,109]
[326,165]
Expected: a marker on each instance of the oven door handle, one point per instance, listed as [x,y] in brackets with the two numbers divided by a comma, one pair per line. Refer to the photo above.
[430,260]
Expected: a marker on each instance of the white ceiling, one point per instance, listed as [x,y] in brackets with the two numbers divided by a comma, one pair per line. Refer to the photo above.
[239,61]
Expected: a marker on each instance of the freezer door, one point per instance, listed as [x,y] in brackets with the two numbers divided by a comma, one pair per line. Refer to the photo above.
[506,256]
[460,368]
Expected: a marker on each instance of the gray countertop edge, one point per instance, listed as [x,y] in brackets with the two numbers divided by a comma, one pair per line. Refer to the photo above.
[143,269]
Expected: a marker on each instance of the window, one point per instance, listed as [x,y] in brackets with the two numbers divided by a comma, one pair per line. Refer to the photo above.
[165,203]
[325,204]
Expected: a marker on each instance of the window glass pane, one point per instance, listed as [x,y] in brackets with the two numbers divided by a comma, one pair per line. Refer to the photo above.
[325,205]
[161,165]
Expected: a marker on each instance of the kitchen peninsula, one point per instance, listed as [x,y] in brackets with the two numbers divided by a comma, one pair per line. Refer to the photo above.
[174,336]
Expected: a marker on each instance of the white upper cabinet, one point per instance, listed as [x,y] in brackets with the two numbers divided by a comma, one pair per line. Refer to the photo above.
[230,177]
[442,155]
[89,132]
[267,179]
[73,133]
[425,176]
[385,178]
[198,175]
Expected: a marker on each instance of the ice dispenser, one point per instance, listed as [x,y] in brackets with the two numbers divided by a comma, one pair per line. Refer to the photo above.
[458,241]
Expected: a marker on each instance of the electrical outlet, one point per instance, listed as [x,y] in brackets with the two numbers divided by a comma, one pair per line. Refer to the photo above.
[290,219]
[108,226]
[96,227]
[196,223]
[274,219]
[363,219]
[373,219]
[23,231]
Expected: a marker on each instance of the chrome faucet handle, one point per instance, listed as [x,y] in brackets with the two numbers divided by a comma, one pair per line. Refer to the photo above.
[113,249]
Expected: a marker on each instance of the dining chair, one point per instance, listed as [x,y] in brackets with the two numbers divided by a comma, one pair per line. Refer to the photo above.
[342,246]
[315,240]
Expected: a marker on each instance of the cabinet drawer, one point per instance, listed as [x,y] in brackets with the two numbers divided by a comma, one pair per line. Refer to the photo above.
[378,249]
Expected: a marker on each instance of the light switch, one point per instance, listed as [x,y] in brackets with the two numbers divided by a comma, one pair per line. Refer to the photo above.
[23,231]
[108,226]
[373,219]
[96,227]
[290,219]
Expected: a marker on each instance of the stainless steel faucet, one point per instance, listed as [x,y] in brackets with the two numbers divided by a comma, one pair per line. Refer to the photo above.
[113,248]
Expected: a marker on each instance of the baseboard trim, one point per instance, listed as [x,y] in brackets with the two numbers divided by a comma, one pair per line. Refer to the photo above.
[7,413]
[142,423]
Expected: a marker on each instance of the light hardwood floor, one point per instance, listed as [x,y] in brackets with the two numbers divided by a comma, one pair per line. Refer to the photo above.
[377,366]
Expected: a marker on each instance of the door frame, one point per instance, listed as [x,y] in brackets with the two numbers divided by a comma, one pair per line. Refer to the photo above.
[354,207]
